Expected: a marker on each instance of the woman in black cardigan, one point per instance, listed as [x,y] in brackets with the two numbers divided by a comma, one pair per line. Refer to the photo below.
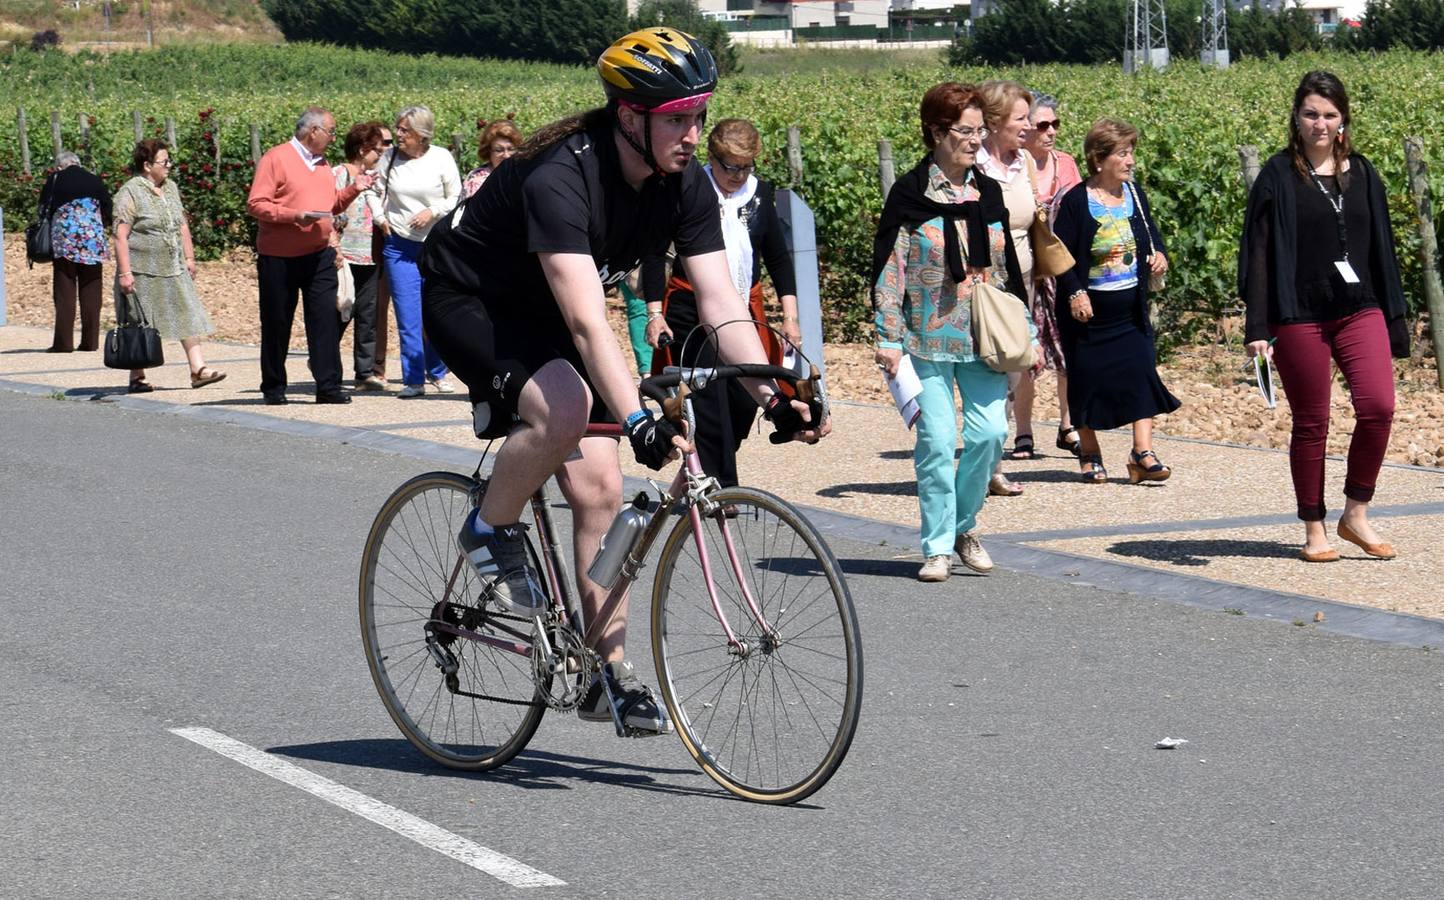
[1320,282]
[1102,305]
[753,234]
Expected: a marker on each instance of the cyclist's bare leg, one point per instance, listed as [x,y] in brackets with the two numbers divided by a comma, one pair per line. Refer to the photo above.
[553,406]
[592,486]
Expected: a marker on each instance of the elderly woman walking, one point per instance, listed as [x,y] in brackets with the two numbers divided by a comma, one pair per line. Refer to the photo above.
[80,206]
[1102,306]
[945,224]
[156,262]
[419,182]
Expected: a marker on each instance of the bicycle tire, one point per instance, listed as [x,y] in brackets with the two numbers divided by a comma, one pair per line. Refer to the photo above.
[811,675]
[410,554]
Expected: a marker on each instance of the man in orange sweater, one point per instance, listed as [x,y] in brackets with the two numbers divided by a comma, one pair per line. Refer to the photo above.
[294,196]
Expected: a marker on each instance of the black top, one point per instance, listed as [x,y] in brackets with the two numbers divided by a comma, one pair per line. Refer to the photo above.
[769,245]
[1076,228]
[75,183]
[1290,243]
[571,198]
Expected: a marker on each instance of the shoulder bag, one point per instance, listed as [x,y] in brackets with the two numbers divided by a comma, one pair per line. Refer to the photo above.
[38,241]
[1050,257]
[1001,337]
[133,345]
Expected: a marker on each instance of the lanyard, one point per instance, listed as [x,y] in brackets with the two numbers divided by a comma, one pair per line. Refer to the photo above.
[1337,206]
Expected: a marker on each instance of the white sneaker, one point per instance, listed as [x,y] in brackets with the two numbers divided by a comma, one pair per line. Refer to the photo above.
[411,390]
[442,385]
[936,568]
[971,552]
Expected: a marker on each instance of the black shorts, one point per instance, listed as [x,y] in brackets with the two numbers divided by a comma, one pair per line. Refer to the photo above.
[495,349]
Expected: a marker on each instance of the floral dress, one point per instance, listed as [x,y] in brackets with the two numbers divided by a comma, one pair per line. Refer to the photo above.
[360,222]
[163,287]
[78,233]
[472,182]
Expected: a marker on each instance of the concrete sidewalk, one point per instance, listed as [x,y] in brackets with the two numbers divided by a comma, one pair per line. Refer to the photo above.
[1220,533]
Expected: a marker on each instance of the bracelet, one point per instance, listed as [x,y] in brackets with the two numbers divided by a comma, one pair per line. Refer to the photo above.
[121,274]
[653,316]
[633,419]
[1076,294]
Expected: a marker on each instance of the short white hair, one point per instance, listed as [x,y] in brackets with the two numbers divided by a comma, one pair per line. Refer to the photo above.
[65,159]
[421,121]
[313,117]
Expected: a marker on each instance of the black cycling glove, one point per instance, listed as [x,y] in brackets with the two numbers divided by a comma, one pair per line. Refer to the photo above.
[652,440]
[787,420]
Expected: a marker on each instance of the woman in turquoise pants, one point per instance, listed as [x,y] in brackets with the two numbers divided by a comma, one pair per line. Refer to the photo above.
[945,225]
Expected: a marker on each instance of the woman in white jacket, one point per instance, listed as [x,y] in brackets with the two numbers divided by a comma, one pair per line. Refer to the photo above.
[418,184]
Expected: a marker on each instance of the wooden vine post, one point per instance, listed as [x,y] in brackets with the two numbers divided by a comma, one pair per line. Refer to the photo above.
[1248,161]
[794,153]
[170,140]
[24,141]
[56,144]
[885,171]
[255,143]
[1429,251]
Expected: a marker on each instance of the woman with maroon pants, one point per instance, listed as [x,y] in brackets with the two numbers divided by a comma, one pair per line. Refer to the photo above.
[1318,274]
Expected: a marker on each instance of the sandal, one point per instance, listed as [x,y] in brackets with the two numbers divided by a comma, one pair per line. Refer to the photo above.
[1137,471]
[1023,448]
[1000,486]
[1095,473]
[1073,445]
[140,386]
[206,375]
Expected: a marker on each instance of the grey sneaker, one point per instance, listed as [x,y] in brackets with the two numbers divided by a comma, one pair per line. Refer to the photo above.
[501,559]
[971,552]
[617,687]
[936,568]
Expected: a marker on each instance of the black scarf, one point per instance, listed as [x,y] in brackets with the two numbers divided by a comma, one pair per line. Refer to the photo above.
[908,205]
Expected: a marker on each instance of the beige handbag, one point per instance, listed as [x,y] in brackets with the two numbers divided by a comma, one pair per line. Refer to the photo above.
[1001,337]
[1050,257]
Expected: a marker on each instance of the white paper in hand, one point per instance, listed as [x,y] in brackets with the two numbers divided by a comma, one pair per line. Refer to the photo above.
[906,388]
[1264,375]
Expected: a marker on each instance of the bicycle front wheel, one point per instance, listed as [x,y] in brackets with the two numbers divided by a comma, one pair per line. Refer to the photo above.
[769,716]
[466,703]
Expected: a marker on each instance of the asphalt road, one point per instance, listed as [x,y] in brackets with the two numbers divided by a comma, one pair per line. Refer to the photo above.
[159,573]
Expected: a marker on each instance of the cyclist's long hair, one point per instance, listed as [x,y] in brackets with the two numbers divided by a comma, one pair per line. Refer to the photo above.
[548,135]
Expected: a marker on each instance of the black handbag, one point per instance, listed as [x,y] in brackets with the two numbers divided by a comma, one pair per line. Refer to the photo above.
[38,245]
[133,345]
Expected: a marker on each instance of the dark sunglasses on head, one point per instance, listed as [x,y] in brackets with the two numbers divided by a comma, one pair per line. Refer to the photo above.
[1045,125]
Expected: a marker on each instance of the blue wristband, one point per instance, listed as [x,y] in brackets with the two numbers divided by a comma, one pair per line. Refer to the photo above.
[633,419]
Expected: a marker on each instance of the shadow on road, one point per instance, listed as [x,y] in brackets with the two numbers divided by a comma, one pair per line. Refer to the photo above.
[531,769]
[894,488]
[1196,552]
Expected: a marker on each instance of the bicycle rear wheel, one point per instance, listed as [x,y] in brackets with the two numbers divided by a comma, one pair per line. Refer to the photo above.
[772,720]
[481,713]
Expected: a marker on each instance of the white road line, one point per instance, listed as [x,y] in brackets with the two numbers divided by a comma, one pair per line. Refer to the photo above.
[517,874]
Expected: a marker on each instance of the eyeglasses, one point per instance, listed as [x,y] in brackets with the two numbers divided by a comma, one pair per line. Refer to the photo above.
[1046,125]
[968,134]
[330,131]
[387,142]
[163,163]
[730,169]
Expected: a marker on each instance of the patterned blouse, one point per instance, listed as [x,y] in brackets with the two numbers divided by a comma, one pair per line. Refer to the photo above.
[78,233]
[1115,254]
[920,308]
[155,226]
[472,182]
[360,219]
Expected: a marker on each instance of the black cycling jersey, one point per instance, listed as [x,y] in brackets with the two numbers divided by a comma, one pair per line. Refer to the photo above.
[570,199]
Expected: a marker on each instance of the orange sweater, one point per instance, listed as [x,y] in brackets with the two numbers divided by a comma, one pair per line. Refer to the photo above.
[282,190]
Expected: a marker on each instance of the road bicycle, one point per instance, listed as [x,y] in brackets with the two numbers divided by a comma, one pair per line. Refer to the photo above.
[754,635]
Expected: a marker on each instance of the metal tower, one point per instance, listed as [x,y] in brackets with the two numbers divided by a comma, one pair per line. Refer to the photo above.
[1215,33]
[1146,44]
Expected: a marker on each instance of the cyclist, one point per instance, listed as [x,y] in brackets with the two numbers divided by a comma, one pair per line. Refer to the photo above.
[514,303]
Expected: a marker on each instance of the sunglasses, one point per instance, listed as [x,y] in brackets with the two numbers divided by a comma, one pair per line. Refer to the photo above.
[387,143]
[1046,125]
[730,169]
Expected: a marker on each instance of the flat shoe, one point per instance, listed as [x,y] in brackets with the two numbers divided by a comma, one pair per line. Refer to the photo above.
[1378,551]
[206,375]
[1073,445]
[1023,448]
[140,386]
[1329,555]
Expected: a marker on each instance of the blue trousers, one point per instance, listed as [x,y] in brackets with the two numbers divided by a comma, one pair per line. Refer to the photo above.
[950,495]
[419,359]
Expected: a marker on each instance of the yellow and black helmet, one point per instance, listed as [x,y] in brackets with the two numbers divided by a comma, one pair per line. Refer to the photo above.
[658,69]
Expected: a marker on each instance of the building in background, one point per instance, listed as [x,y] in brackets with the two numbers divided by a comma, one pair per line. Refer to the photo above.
[846,23]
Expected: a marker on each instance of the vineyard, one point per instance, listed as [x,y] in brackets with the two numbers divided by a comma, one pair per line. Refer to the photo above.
[1191,121]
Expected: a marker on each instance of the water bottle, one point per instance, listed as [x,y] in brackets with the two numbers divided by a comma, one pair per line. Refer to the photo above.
[620,540]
